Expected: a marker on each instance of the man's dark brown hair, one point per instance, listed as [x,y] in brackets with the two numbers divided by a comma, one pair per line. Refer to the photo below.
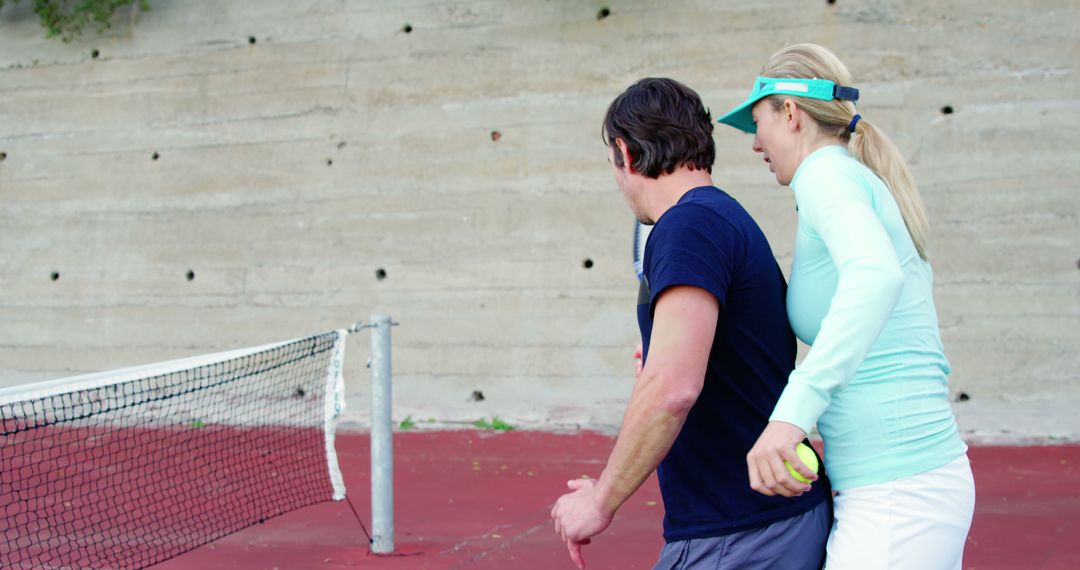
[664,125]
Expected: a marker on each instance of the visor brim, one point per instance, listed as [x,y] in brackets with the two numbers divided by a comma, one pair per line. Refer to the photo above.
[741,117]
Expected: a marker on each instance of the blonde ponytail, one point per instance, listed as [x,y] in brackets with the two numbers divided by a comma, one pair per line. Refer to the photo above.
[868,144]
[876,150]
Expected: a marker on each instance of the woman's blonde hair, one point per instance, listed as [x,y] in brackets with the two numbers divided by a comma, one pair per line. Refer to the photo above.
[868,144]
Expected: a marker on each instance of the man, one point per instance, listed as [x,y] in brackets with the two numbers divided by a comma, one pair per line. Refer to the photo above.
[717,351]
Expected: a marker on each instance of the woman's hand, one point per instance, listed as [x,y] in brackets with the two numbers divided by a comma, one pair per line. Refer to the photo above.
[765,462]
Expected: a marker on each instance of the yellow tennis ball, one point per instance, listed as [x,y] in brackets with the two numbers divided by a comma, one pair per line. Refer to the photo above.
[807,456]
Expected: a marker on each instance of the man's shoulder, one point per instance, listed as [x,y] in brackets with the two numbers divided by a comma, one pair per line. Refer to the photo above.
[708,209]
[707,201]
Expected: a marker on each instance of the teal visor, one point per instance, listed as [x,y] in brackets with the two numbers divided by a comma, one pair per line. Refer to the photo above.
[823,89]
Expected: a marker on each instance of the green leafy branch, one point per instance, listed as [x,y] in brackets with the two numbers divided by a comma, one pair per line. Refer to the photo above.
[67,18]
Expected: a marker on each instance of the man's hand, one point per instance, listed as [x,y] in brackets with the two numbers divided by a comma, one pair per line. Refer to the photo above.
[765,462]
[579,516]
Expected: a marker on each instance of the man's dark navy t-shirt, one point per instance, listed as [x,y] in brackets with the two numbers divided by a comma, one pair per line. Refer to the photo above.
[708,240]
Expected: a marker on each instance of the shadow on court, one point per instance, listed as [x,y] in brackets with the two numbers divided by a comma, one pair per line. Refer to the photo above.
[470,499]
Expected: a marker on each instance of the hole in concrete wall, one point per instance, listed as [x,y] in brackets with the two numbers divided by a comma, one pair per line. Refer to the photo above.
[155,156]
[3,156]
[407,28]
[830,2]
[252,40]
[1077,261]
[947,110]
[476,396]
[496,135]
[962,397]
[190,275]
[603,13]
[587,264]
[329,162]
[380,274]
[55,276]
[341,145]
[94,54]
[300,392]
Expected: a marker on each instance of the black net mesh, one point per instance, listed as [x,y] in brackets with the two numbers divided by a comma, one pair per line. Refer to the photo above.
[131,474]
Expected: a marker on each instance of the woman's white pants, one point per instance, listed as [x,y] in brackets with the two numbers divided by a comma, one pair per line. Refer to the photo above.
[919,522]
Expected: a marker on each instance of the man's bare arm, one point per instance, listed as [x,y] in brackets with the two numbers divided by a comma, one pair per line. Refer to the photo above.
[684,325]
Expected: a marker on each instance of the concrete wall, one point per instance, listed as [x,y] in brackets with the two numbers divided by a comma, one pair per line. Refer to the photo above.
[283,152]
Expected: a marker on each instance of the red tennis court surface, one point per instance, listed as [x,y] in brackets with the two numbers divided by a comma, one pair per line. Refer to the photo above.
[471,499]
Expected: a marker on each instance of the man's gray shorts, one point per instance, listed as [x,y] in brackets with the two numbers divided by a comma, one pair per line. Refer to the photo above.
[797,543]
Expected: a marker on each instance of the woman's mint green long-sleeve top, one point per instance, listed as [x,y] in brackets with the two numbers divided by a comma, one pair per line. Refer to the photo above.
[874,379]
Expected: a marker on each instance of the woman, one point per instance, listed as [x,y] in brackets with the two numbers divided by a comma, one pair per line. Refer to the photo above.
[861,295]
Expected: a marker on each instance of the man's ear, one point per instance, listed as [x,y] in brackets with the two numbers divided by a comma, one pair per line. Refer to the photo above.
[628,161]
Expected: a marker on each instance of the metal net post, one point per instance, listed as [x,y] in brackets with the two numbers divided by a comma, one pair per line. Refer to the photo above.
[382,446]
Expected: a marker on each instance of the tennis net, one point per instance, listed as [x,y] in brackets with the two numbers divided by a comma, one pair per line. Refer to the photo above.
[127,468]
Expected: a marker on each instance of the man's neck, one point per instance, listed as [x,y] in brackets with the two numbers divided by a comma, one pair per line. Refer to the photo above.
[666,191]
